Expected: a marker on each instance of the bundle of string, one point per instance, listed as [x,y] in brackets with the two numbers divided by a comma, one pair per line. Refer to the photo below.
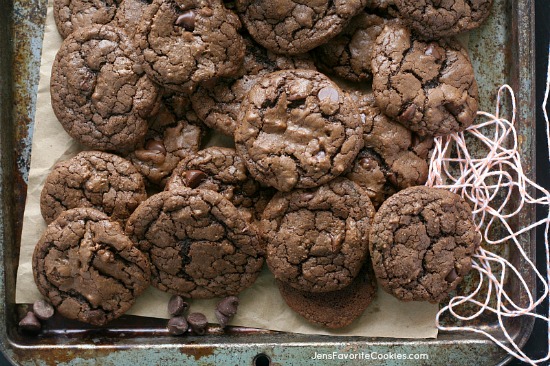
[498,190]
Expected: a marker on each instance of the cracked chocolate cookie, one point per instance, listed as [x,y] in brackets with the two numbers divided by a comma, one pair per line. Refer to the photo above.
[99,91]
[435,19]
[88,268]
[335,309]
[93,179]
[71,15]
[349,54]
[220,169]
[199,244]
[188,42]
[429,87]
[217,104]
[317,239]
[298,130]
[421,243]
[293,27]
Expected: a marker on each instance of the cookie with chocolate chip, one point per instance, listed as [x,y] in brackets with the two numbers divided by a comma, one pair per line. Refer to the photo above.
[71,15]
[88,268]
[421,243]
[298,130]
[429,87]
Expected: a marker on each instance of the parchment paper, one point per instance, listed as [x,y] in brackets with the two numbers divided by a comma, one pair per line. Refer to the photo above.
[261,306]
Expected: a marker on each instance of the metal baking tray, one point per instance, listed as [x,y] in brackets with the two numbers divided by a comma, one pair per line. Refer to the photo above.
[502,52]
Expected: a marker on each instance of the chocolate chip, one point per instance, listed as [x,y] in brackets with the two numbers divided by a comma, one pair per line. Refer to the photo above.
[177,306]
[193,178]
[432,51]
[155,145]
[197,323]
[222,318]
[451,276]
[453,108]
[30,323]
[177,325]
[42,309]
[328,93]
[367,163]
[408,114]
[187,20]
[228,306]
[392,178]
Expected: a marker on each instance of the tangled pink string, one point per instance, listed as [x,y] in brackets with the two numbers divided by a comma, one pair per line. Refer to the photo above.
[490,183]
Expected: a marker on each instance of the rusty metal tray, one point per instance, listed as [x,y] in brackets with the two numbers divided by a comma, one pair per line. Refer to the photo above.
[502,52]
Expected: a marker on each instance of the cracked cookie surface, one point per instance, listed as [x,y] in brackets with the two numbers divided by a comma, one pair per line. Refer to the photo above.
[298,130]
[187,42]
[71,15]
[198,243]
[93,179]
[88,268]
[317,239]
[293,27]
[99,91]
[422,242]
[429,87]
[128,15]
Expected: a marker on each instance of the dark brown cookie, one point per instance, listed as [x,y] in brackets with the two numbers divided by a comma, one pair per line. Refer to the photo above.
[71,15]
[421,243]
[429,87]
[297,130]
[99,91]
[187,42]
[93,179]
[293,27]
[217,104]
[335,309]
[435,19]
[198,243]
[128,15]
[317,239]
[220,169]
[349,54]
[88,268]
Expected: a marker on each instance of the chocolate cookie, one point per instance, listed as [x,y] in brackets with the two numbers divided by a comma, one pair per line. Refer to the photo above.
[335,309]
[128,15]
[293,27]
[220,169]
[71,15]
[88,268]
[436,19]
[421,243]
[99,91]
[298,130]
[349,54]
[429,87]
[217,104]
[187,42]
[198,243]
[317,239]
[93,179]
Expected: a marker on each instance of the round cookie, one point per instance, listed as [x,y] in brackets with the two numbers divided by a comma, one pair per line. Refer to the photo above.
[297,130]
[436,19]
[317,239]
[188,42]
[429,87]
[88,268]
[421,243]
[71,15]
[292,27]
[99,91]
[94,179]
[335,309]
[198,243]
[220,169]
[217,104]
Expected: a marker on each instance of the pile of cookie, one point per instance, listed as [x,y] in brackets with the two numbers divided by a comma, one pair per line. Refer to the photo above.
[324,181]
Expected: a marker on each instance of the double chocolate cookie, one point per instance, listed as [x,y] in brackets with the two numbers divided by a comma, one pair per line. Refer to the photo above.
[71,15]
[298,130]
[317,239]
[99,91]
[93,179]
[429,87]
[421,243]
[88,268]
[187,42]
[293,27]
[198,243]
